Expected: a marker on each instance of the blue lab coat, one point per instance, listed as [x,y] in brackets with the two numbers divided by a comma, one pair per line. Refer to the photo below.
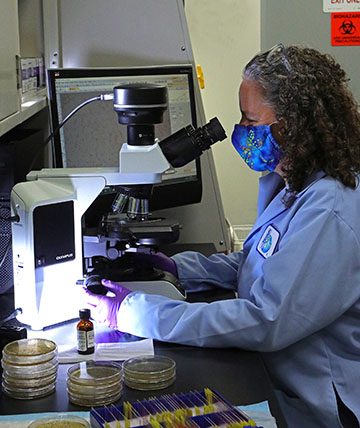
[298,284]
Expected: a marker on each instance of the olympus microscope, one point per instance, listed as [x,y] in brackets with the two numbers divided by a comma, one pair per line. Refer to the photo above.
[53,250]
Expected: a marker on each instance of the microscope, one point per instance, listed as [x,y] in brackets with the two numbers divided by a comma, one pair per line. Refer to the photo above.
[54,249]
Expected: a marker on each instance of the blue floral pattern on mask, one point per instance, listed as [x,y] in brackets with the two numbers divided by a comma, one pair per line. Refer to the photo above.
[257,146]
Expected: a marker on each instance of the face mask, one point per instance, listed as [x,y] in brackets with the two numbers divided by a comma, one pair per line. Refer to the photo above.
[257,146]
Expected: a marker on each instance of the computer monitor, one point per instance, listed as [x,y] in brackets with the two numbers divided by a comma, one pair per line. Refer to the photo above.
[93,136]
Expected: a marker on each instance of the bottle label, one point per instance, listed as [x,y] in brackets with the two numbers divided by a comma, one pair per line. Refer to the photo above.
[85,340]
[90,339]
[81,340]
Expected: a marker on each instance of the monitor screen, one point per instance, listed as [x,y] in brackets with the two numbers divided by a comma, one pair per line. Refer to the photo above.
[93,136]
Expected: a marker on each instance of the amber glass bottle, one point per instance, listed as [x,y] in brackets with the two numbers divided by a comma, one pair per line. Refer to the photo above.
[85,333]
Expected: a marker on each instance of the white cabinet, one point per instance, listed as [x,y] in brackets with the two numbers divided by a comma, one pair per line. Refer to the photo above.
[9,49]
[20,35]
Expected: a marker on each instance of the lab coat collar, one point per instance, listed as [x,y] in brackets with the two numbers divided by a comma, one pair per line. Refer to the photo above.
[269,186]
[313,178]
[270,203]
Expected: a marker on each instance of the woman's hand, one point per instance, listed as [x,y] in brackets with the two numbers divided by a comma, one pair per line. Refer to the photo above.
[104,309]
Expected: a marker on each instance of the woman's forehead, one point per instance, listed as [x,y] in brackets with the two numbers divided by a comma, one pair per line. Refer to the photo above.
[252,99]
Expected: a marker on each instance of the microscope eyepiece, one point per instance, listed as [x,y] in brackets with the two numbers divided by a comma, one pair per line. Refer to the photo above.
[189,143]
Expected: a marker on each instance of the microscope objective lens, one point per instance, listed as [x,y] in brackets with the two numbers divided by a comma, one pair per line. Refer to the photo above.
[138,208]
[133,208]
[119,202]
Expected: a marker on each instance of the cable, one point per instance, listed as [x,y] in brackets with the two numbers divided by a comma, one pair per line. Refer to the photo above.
[102,97]
[10,317]
[14,218]
[8,246]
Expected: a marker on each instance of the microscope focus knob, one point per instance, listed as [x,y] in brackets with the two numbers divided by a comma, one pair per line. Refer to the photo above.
[112,253]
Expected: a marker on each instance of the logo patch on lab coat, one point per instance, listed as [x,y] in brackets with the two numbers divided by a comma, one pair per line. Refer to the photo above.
[268,241]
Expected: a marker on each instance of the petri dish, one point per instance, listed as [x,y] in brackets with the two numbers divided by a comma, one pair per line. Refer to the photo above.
[29,351]
[94,401]
[149,386]
[95,373]
[18,382]
[95,398]
[29,394]
[31,371]
[93,391]
[60,421]
[149,372]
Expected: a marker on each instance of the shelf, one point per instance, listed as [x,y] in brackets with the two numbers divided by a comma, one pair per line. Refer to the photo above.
[28,109]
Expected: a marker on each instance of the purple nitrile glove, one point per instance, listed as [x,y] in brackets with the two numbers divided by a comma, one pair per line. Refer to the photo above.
[109,335]
[104,309]
[157,260]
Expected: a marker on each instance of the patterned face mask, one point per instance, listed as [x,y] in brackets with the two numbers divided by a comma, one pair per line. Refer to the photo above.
[257,146]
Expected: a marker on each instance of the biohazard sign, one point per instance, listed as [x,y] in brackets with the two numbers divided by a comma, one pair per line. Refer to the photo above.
[345,29]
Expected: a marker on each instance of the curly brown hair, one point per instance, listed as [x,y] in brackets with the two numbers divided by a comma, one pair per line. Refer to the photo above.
[309,93]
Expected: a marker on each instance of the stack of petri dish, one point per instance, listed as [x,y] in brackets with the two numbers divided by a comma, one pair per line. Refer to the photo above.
[149,372]
[95,383]
[29,368]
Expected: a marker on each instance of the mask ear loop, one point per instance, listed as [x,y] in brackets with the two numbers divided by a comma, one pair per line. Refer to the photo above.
[277,128]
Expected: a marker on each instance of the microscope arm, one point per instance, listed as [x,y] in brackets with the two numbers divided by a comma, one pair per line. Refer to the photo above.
[137,165]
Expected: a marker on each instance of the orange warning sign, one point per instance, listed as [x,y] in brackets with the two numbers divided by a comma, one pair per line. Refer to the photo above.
[345,29]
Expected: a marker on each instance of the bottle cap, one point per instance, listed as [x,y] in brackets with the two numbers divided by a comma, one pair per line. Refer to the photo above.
[84,313]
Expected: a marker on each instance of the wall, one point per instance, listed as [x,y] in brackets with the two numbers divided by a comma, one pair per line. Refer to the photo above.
[30,28]
[307,25]
[225,35]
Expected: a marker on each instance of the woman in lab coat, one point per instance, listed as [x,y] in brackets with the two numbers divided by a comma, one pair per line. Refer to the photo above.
[298,276]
